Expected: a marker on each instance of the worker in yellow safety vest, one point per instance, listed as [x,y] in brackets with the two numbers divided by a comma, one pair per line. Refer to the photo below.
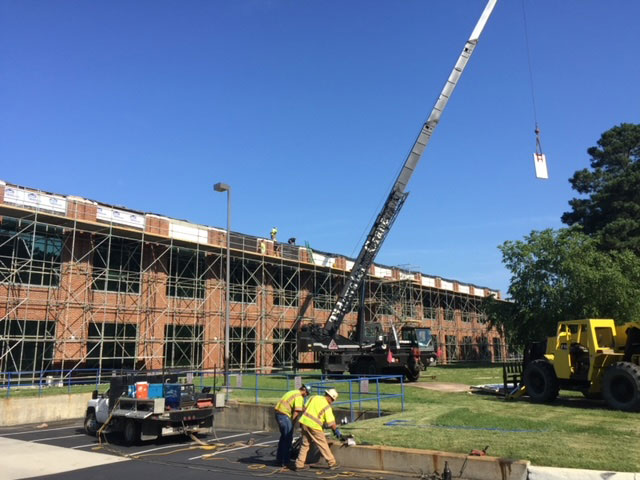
[316,415]
[287,410]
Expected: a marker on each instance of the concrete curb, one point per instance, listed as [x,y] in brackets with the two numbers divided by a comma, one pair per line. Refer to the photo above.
[424,462]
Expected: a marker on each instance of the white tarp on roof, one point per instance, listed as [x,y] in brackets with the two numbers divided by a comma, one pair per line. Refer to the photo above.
[188,232]
[407,276]
[323,260]
[122,217]
[382,272]
[446,285]
[37,200]
[463,288]
[428,281]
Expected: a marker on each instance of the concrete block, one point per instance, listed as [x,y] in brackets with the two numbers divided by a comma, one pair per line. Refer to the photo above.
[50,408]
[425,462]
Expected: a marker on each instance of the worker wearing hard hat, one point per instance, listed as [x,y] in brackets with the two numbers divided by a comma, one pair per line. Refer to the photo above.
[288,409]
[317,414]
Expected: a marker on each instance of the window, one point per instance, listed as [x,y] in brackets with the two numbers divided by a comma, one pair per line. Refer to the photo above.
[497,350]
[449,315]
[183,345]
[467,348]
[604,337]
[322,298]
[26,345]
[186,273]
[451,345]
[116,264]
[111,345]
[420,335]
[285,286]
[30,253]
[242,348]
[284,347]
[244,281]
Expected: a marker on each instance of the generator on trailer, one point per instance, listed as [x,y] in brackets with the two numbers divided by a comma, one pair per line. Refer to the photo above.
[369,351]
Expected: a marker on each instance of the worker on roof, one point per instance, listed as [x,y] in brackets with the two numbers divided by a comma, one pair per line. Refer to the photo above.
[288,409]
[274,233]
[316,415]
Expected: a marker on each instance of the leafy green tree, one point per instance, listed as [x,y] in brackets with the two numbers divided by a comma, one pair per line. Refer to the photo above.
[561,275]
[611,209]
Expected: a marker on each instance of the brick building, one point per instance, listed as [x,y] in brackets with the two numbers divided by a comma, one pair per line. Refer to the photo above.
[84,284]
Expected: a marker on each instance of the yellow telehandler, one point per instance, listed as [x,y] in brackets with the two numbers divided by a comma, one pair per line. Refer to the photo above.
[593,356]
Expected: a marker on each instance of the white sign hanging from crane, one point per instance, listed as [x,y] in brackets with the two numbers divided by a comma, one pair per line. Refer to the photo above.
[540,161]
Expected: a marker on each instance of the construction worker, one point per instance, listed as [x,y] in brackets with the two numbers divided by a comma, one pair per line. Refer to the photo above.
[274,233]
[316,415]
[288,409]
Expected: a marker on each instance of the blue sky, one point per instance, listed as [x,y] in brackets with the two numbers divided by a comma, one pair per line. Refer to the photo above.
[308,109]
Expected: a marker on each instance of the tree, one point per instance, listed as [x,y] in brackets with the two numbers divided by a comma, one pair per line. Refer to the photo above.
[562,275]
[611,210]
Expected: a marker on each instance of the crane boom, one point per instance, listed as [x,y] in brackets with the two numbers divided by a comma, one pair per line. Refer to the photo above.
[397,196]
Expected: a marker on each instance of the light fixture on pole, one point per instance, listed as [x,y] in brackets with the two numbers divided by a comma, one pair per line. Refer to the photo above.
[223,187]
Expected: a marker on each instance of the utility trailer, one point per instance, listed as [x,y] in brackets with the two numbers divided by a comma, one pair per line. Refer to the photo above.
[178,410]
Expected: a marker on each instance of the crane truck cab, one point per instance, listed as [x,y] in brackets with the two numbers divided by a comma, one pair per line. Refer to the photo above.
[421,337]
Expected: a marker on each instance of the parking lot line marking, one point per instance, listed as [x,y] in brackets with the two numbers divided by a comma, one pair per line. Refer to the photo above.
[85,446]
[40,430]
[56,438]
[195,443]
[262,444]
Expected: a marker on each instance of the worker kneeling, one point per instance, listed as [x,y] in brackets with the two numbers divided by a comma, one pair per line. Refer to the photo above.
[288,409]
[317,414]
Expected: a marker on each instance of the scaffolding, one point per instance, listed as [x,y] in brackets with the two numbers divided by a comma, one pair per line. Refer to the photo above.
[84,293]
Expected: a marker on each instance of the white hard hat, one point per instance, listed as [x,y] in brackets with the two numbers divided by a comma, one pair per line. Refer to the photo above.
[332,393]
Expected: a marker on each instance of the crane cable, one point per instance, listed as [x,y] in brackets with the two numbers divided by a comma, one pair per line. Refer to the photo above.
[533,97]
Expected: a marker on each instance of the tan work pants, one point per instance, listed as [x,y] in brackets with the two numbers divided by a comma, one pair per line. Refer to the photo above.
[309,436]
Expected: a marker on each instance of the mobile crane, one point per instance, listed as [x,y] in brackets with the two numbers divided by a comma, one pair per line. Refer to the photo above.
[368,351]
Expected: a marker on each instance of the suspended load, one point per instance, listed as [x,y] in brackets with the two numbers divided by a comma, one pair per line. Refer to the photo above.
[539,159]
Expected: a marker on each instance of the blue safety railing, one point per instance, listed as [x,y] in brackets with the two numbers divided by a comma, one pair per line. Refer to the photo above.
[355,392]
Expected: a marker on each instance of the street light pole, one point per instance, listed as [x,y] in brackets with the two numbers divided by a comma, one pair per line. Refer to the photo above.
[223,187]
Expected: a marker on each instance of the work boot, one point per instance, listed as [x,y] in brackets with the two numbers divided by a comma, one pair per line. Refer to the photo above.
[296,468]
[335,466]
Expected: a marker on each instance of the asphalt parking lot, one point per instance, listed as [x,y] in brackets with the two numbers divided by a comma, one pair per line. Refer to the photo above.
[64,451]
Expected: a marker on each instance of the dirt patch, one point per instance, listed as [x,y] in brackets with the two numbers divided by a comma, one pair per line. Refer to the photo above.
[442,386]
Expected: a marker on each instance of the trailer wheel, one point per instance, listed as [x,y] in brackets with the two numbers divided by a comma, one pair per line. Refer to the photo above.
[621,386]
[131,432]
[541,381]
[91,425]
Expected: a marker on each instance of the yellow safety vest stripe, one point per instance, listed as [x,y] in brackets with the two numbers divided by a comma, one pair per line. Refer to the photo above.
[288,404]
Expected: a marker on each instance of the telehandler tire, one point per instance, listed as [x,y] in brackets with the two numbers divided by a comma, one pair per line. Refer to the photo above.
[621,386]
[541,381]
